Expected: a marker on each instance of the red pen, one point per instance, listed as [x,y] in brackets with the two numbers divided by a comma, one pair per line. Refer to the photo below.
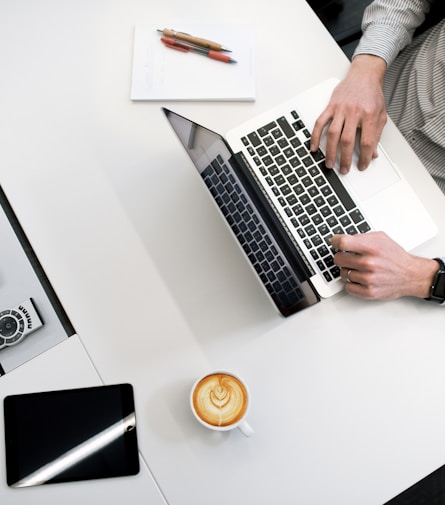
[180,46]
[176,46]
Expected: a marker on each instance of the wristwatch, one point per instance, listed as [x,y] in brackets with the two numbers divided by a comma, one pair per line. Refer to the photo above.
[437,293]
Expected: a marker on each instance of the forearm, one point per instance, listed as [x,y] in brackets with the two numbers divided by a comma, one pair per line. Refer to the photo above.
[388,26]
[420,273]
[368,68]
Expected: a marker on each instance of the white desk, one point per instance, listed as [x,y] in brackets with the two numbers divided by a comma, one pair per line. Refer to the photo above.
[347,396]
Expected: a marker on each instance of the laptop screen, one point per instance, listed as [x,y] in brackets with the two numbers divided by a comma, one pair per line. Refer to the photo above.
[243,207]
[201,144]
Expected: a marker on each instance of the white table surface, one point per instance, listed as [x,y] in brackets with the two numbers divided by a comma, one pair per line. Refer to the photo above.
[347,396]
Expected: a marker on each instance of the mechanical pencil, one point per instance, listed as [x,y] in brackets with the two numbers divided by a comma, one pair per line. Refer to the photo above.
[197,41]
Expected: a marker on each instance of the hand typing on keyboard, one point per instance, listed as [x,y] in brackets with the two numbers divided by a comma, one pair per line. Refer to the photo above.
[357,103]
[373,266]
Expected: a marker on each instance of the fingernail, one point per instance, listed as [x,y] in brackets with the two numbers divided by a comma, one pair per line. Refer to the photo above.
[329,164]
[313,148]
[344,170]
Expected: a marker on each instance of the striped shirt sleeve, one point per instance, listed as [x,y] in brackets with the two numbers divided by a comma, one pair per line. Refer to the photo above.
[388,26]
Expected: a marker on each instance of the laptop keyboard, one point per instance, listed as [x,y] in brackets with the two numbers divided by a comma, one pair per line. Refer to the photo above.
[251,231]
[310,198]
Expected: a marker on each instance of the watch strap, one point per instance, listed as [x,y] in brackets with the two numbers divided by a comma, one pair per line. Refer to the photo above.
[437,292]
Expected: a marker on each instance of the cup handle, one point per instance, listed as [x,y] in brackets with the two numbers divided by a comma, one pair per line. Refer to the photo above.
[246,429]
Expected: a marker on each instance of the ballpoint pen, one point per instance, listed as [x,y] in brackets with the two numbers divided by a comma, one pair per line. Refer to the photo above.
[180,46]
[197,41]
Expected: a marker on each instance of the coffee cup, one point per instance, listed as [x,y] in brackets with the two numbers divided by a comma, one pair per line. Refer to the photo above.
[220,401]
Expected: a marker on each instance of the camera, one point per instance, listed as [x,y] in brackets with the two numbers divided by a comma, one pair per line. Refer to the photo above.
[17,323]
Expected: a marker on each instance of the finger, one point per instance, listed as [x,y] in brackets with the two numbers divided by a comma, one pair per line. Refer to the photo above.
[368,151]
[346,274]
[368,148]
[338,242]
[334,133]
[320,124]
[347,143]
[370,137]
[356,289]
[366,155]
[348,261]
[352,243]
[354,285]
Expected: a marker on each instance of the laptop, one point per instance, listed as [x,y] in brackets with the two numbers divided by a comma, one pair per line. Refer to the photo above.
[283,205]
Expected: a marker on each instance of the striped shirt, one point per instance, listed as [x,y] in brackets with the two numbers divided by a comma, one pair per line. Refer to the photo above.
[414,86]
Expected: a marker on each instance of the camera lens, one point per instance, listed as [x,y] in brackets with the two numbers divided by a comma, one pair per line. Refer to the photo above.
[8,326]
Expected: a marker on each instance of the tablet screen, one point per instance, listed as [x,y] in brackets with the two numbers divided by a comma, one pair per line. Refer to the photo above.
[70,435]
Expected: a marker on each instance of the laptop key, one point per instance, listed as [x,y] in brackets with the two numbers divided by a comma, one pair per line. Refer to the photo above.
[286,127]
[263,131]
[363,227]
[254,139]
[338,187]
[356,216]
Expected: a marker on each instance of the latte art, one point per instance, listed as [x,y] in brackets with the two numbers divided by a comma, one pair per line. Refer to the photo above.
[220,399]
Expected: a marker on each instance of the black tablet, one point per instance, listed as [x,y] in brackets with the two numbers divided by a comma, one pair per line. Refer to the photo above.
[70,435]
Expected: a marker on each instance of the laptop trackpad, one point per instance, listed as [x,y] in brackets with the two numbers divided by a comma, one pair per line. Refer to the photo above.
[380,174]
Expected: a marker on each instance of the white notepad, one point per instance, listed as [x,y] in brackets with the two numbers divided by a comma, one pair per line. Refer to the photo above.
[161,73]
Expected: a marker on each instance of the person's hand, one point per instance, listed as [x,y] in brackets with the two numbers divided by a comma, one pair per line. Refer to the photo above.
[373,266]
[356,106]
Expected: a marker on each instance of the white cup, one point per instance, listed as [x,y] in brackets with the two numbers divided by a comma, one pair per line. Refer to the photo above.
[220,401]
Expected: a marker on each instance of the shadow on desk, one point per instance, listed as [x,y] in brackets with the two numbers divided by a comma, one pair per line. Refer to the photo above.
[203,267]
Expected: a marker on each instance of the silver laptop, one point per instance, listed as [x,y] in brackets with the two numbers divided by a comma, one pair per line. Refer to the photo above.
[284,206]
